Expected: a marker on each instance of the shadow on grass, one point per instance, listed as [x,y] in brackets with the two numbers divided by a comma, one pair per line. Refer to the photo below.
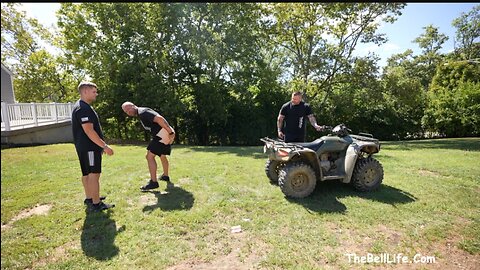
[98,236]
[466,144]
[325,197]
[175,198]
[255,152]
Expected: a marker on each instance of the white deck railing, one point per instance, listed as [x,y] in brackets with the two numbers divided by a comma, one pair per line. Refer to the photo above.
[21,115]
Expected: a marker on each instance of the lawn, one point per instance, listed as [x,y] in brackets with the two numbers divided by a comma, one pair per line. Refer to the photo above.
[427,210]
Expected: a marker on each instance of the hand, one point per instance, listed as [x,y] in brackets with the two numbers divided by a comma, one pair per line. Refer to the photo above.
[280,134]
[172,138]
[108,150]
[319,128]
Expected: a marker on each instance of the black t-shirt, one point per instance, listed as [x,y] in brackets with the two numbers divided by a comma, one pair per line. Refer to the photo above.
[84,113]
[294,122]
[146,116]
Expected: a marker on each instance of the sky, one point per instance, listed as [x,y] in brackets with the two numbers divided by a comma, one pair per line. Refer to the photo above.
[400,34]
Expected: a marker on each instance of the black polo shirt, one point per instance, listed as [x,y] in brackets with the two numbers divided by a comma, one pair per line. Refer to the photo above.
[84,113]
[294,122]
[146,116]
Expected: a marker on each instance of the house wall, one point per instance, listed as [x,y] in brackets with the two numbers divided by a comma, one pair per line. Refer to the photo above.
[56,133]
[7,86]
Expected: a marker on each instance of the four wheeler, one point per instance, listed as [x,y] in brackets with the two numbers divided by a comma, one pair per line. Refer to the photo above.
[296,167]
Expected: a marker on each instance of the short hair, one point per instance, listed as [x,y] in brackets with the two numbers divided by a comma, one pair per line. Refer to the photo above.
[127,103]
[83,85]
[297,93]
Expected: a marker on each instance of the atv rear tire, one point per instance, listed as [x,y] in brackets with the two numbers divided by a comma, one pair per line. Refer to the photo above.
[367,175]
[297,180]
[272,168]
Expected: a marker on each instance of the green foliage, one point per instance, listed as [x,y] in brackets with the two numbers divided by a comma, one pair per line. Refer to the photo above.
[19,33]
[39,76]
[404,104]
[468,31]
[454,100]
[425,64]
[219,72]
[193,63]
[318,39]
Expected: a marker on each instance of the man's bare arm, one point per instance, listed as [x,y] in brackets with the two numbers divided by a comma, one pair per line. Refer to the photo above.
[313,121]
[163,123]
[95,138]
[280,122]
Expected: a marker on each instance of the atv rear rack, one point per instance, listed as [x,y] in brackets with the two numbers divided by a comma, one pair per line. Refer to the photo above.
[281,143]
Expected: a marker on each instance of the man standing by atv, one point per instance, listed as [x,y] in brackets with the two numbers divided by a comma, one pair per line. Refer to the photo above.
[293,114]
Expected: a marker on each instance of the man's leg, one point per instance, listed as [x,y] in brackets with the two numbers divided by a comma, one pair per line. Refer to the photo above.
[88,195]
[93,183]
[165,164]
[152,165]
[152,168]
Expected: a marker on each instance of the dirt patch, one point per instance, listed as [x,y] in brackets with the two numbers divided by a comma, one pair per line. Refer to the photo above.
[148,199]
[37,210]
[184,181]
[246,253]
[424,172]
[58,254]
[438,255]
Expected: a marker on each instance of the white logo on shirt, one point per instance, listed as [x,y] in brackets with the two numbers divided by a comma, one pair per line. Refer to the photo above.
[84,119]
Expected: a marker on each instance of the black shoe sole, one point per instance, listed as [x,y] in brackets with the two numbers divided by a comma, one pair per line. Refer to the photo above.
[90,202]
[101,209]
[147,189]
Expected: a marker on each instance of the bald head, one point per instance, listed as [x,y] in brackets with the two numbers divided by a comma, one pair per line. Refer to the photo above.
[129,108]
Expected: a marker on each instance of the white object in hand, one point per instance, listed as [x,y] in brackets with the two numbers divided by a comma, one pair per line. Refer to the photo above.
[164,136]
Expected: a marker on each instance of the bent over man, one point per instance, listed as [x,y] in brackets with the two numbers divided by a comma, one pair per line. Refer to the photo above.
[158,146]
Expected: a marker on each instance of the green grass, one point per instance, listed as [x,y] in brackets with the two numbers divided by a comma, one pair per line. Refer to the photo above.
[428,203]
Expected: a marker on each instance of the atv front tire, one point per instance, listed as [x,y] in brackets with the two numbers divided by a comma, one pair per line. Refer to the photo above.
[272,168]
[297,180]
[367,175]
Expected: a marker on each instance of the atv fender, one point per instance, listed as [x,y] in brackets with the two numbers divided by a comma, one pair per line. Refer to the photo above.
[350,159]
[310,157]
[353,151]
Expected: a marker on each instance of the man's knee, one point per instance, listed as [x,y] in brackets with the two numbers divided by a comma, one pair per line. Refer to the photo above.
[150,156]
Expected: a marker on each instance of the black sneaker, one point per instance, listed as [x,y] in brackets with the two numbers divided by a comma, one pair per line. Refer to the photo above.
[101,206]
[90,201]
[164,178]
[151,185]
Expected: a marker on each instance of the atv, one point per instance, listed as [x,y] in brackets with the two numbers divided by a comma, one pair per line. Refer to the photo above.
[296,167]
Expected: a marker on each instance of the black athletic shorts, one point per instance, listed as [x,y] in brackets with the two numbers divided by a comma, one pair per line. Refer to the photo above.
[90,162]
[158,148]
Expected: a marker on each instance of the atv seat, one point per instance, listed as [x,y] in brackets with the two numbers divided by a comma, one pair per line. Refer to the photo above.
[312,145]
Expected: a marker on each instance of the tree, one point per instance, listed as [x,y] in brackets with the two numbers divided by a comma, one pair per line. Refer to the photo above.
[319,38]
[468,33]
[193,62]
[39,76]
[454,97]
[430,42]
[19,34]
